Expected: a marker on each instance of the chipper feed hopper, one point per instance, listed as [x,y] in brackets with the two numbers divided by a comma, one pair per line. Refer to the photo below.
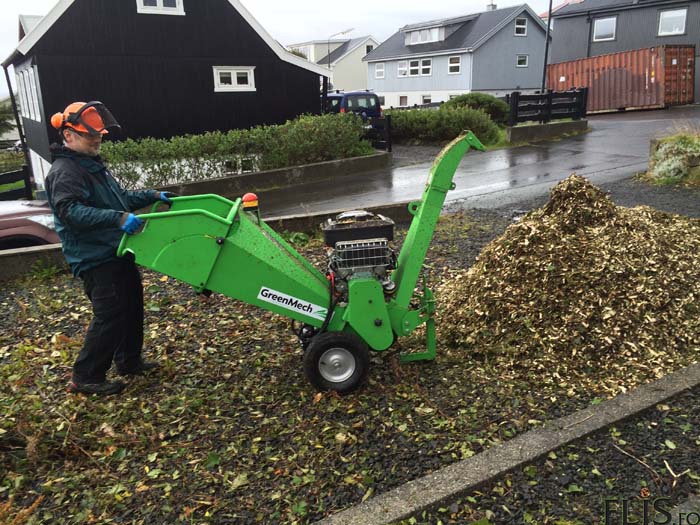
[367,299]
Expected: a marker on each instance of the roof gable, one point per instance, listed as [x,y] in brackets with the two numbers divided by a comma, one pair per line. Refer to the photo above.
[472,32]
[39,30]
[344,50]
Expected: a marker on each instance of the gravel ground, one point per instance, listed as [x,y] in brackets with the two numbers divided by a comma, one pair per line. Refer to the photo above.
[652,458]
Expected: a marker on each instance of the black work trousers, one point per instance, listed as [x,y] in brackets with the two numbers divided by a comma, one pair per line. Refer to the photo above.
[116,331]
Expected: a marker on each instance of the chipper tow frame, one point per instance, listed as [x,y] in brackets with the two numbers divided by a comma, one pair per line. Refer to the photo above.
[367,299]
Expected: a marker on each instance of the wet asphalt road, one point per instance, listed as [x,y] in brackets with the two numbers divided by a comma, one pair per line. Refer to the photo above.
[616,148]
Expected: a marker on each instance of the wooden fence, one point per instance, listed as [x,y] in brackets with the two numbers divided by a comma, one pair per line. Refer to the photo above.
[549,106]
[24,192]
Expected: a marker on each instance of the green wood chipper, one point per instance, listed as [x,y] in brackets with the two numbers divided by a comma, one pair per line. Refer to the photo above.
[367,299]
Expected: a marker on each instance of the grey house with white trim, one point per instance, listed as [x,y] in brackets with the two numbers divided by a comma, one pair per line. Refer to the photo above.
[497,52]
[598,27]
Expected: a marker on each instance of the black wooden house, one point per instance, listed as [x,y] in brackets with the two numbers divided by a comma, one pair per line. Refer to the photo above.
[163,67]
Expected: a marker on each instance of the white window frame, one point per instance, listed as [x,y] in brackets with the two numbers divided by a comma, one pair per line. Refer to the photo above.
[402,67]
[450,65]
[234,70]
[412,68]
[27,86]
[426,63]
[160,9]
[379,70]
[685,21]
[520,26]
[429,97]
[595,25]
[517,59]
[406,105]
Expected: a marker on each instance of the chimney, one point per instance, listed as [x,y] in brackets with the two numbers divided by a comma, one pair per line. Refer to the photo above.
[491,6]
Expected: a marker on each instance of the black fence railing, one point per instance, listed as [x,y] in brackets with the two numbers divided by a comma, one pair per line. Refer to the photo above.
[16,191]
[379,132]
[545,107]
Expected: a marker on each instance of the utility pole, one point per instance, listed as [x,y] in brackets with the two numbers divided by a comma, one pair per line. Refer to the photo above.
[546,47]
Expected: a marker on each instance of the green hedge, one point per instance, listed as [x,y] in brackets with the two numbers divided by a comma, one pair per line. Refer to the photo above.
[494,107]
[443,124]
[159,162]
[10,161]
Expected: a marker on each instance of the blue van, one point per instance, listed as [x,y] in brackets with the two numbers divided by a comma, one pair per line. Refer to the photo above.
[364,103]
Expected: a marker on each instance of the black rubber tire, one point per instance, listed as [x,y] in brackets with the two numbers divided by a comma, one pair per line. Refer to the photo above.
[352,346]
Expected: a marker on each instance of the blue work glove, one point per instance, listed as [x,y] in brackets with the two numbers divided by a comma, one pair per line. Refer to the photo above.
[165,196]
[131,224]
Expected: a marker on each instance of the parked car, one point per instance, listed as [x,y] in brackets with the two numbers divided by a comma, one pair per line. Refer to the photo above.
[26,223]
[364,103]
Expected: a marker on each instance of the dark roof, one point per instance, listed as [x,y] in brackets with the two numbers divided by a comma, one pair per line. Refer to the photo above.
[344,48]
[474,28]
[594,5]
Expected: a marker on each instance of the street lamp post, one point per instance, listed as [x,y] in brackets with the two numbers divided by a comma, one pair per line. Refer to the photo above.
[328,43]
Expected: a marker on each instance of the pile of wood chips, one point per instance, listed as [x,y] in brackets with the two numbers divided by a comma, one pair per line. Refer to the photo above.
[580,276]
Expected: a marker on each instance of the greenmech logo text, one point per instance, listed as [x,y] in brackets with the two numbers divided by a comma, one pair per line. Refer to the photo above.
[292,303]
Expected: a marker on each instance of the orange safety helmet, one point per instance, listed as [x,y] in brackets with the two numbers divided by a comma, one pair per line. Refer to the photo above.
[92,118]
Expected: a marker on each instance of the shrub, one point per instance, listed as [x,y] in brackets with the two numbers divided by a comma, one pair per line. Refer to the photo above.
[677,159]
[494,107]
[443,124]
[158,162]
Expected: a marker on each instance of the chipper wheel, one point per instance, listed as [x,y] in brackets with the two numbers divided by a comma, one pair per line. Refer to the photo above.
[336,361]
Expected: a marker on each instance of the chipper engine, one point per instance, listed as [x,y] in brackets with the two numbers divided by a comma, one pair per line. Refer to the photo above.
[367,298]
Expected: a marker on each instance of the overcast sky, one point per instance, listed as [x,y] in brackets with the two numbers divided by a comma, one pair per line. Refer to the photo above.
[291,21]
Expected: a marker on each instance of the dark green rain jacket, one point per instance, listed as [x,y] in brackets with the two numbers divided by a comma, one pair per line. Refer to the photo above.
[88,205]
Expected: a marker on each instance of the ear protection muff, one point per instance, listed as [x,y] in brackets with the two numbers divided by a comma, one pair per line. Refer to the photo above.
[57,120]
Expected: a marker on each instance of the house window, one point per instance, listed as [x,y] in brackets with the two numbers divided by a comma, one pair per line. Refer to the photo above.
[379,70]
[604,29]
[368,48]
[454,65]
[423,36]
[521,61]
[403,68]
[414,68]
[426,99]
[403,100]
[28,94]
[160,7]
[521,27]
[426,67]
[234,78]
[672,22]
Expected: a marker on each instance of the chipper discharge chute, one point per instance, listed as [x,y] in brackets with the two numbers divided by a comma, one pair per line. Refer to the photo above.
[367,299]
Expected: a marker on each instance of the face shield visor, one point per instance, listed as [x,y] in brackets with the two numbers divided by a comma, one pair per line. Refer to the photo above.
[92,118]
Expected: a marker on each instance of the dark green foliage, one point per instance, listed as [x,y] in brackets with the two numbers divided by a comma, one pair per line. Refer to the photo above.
[7,117]
[441,125]
[307,139]
[492,106]
[10,161]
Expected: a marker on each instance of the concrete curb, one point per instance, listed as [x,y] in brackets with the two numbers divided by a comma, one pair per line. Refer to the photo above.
[545,131]
[462,477]
[235,185]
[18,262]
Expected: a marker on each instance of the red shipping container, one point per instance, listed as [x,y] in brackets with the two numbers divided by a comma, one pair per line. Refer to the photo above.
[653,77]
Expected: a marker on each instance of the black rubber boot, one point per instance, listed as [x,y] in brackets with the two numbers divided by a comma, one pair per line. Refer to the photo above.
[105,388]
